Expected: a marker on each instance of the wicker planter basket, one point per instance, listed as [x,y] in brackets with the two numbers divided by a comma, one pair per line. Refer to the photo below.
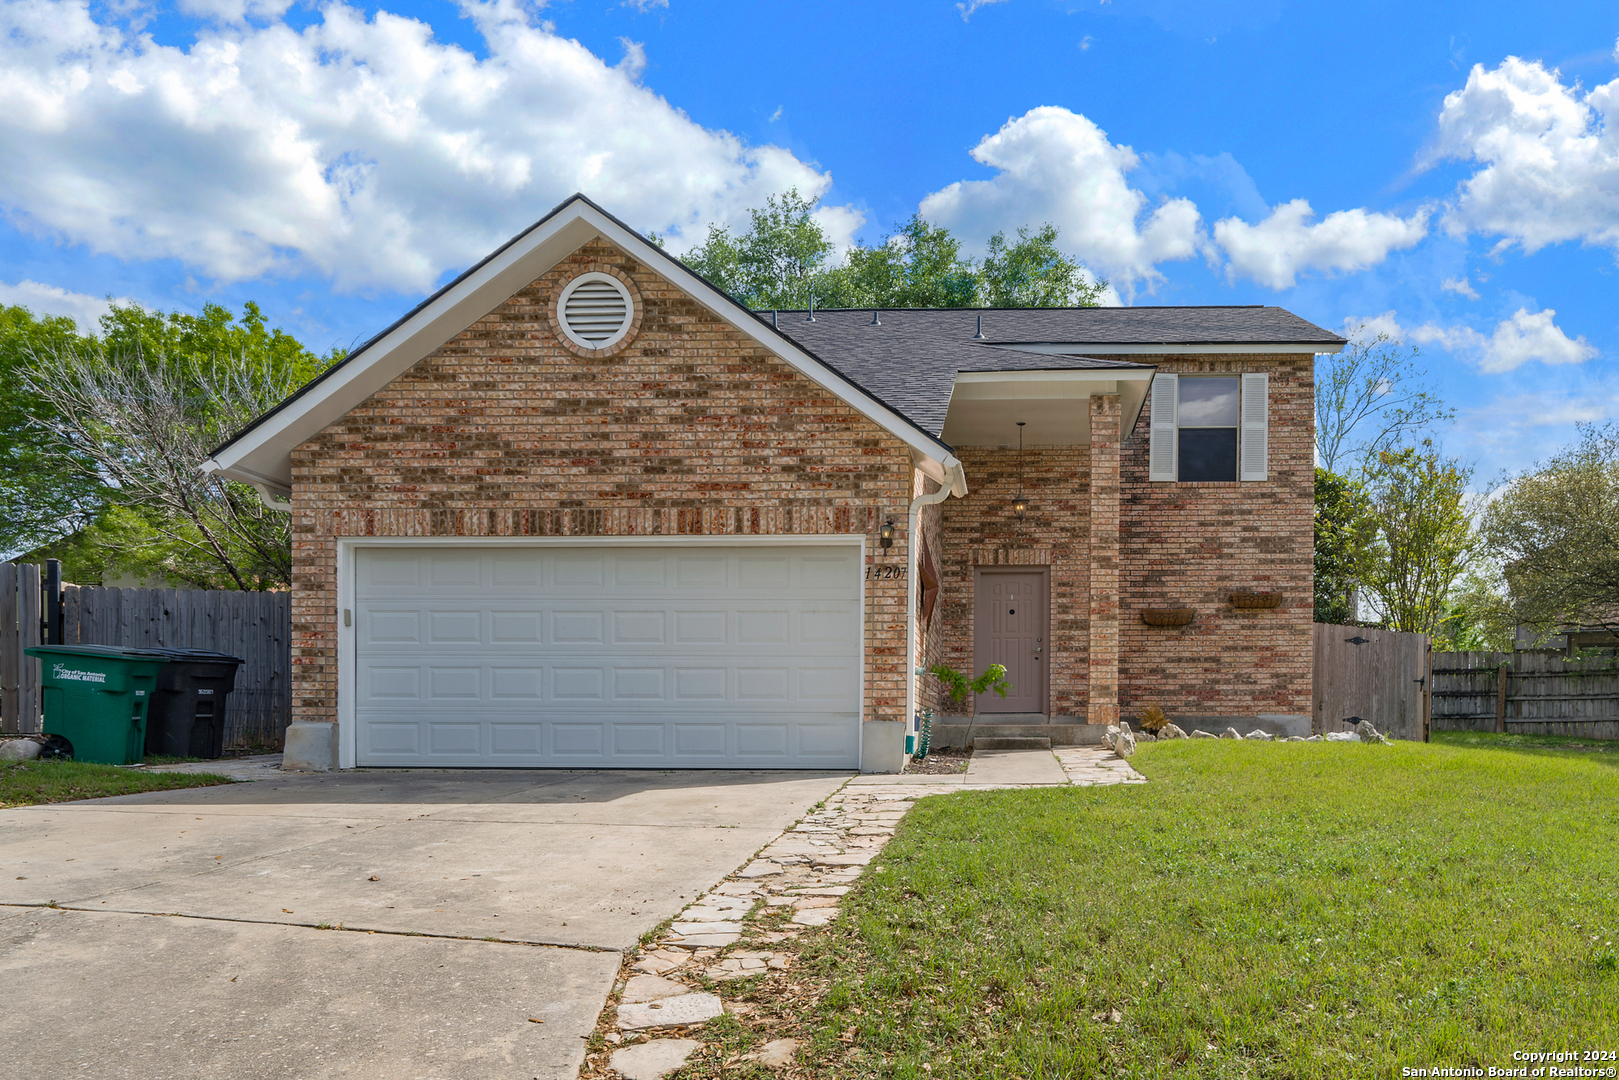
[1167,616]
[1251,600]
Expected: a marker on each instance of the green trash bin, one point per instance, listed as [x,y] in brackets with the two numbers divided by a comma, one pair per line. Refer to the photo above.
[96,698]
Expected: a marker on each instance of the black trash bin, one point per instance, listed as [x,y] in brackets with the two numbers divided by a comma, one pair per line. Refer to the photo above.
[187,714]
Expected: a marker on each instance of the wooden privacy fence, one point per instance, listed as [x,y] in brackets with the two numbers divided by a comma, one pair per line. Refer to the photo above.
[1376,675]
[256,626]
[1529,693]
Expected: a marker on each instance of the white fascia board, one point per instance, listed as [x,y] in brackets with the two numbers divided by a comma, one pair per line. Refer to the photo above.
[263,454]
[1103,348]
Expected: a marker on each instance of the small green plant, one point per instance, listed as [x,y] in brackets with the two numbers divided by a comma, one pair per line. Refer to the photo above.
[956,684]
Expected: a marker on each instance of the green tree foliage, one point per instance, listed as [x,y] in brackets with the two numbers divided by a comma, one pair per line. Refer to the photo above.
[1423,539]
[44,493]
[1368,398]
[1555,533]
[785,258]
[119,420]
[1343,528]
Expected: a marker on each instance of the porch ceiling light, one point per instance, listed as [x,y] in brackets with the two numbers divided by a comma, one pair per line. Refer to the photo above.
[1020,505]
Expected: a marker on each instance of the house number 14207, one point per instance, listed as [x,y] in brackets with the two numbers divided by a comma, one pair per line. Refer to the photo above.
[885,573]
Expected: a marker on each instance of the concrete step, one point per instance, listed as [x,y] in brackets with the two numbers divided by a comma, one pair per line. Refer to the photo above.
[955,735]
[1010,742]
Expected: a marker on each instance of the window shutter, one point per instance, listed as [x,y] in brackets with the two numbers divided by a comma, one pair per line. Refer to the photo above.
[1161,449]
[1255,426]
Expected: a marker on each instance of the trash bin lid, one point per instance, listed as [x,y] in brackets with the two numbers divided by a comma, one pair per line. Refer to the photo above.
[199,656]
[109,651]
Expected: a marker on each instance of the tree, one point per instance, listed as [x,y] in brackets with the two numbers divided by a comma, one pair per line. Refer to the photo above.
[1033,273]
[140,422]
[785,258]
[1343,528]
[1370,398]
[44,494]
[1423,538]
[1555,533]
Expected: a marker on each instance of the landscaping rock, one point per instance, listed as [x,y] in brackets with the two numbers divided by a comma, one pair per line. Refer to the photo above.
[1110,737]
[1125,745]
[1230,733]
[1262,736]
[653,1060]
[1314,738]
[1170,731]
[1368,733]
[1342,736]
[19,750]
[1200,735]
[670,1012]
[777,1054]
[1147,735]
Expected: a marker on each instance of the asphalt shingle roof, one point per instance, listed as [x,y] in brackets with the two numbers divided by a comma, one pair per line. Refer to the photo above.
[910,361]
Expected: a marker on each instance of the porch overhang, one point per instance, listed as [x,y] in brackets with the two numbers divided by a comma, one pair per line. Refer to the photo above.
[1053,404]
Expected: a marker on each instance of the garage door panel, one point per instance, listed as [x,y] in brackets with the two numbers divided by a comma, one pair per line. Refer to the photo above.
[568,657]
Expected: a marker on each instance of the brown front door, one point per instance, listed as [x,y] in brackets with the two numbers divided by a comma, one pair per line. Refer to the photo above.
[1010,628]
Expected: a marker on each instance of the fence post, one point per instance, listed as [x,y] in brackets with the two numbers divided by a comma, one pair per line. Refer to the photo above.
[10,650]
[1501,697]
[53,601]
[1427,692]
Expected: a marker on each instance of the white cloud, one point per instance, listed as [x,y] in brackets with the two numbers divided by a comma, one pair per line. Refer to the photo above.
[1277,249]
[1460,286]
[235,11]
[364,150]
[644,6]
[1526,336]
[969,6]
[44,299]
[1550,156]
[1055,165]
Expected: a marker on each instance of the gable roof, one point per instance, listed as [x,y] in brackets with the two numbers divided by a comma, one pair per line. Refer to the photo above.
[898,373]
[261,454]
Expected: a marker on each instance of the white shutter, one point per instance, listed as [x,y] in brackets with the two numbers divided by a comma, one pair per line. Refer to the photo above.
[1255,426]
[1161,448]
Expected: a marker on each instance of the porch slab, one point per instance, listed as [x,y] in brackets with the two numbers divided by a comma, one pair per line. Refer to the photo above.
[1015,767]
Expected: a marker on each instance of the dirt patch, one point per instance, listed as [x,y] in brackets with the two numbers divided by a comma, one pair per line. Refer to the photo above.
[940,763]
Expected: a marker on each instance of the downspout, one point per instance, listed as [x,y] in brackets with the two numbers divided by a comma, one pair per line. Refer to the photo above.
[955,483]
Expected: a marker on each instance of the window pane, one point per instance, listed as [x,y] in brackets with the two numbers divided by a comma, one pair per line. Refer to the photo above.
[1208,454]
[1209,402]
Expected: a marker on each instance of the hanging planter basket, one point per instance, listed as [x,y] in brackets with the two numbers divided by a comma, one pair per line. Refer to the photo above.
[1255,600]
[1167,616]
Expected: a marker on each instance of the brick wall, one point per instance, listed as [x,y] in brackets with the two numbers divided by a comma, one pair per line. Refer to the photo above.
[981,530]
[1192,545]
[686,428]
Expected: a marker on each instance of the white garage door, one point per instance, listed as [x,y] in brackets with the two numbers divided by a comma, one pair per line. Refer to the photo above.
[615,656]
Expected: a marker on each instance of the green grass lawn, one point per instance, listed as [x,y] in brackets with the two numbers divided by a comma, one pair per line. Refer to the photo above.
[1258,910]
[27,783]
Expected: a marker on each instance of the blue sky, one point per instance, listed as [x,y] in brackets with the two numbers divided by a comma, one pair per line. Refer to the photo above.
[1446,172]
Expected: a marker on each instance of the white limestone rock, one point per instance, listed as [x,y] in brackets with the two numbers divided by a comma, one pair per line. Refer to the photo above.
[1125,745]
[1368,733]
[20,750]
[1201,735]
[669,1012]
[1258,735]
[1230,733]
[1170,731]
[652,1060]
[1342,736]
[1314,738]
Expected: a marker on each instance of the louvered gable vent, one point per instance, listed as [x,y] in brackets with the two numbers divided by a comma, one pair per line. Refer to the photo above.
[595,310]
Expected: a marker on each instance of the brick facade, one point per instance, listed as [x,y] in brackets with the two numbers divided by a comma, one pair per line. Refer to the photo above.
[686,428]
[1174,545]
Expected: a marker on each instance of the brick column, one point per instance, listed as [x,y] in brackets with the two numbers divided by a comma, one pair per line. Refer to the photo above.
[1102,706]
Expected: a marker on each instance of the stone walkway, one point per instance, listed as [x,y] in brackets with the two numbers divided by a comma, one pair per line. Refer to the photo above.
[731,932]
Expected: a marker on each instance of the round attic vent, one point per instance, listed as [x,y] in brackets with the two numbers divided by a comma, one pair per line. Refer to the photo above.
[595,311]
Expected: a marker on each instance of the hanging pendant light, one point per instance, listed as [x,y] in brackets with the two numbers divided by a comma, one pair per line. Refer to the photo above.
[1020,505]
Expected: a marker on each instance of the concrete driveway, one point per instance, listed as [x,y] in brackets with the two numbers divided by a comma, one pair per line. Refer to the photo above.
[387,924]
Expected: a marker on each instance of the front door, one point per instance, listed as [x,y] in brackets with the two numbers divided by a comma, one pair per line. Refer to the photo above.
[1010,628]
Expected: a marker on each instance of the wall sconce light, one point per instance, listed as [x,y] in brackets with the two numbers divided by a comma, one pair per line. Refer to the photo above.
[1020,505]
[885,535]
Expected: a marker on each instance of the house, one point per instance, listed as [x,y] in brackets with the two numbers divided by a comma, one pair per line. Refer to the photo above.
[581,508]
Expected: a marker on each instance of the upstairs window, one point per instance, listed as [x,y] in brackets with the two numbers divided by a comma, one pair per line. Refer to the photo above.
[1209,427]
[1208,415]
